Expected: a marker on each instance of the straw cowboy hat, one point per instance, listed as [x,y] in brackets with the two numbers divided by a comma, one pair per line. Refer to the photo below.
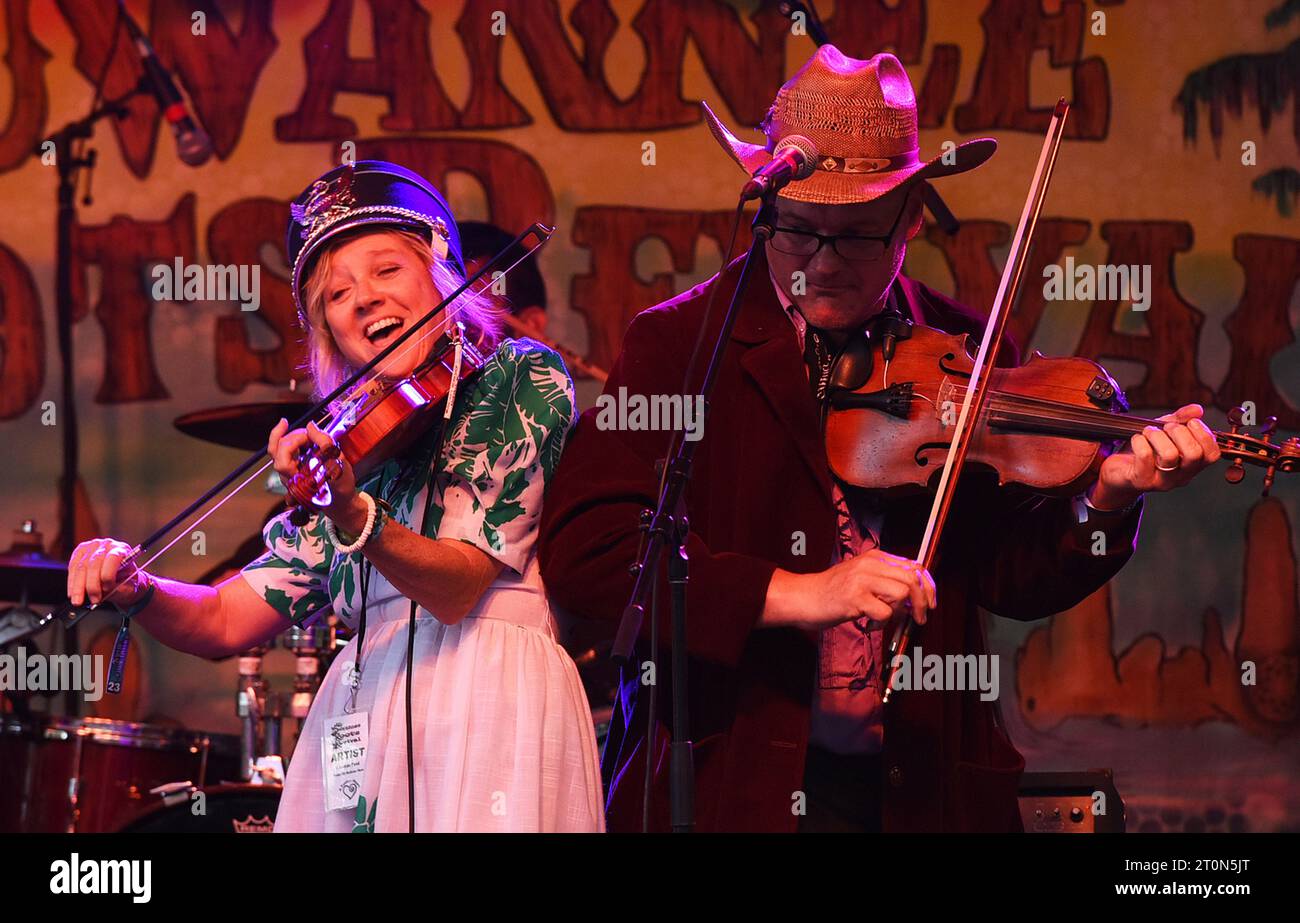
[861,115]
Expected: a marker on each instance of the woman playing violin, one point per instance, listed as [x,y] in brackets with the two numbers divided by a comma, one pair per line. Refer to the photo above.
[502,735]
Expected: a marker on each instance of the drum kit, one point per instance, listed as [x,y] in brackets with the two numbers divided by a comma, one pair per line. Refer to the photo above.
[97,775]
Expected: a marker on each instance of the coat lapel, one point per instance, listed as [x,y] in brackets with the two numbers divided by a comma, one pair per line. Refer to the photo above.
[772,362]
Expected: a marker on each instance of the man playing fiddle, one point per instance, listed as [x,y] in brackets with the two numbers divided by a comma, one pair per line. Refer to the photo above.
[793,574]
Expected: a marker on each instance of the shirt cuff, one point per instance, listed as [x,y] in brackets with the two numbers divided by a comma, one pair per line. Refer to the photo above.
[1084,511]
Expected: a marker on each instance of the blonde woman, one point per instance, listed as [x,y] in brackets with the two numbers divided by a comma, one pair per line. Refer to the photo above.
[501,732]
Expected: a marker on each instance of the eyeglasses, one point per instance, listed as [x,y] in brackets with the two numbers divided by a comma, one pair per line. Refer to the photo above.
[857,247]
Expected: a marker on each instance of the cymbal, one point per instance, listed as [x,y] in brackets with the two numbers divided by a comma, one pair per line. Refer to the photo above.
[240,426]
[44,578]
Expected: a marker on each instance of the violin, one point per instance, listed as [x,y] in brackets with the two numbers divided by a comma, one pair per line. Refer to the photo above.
[1046,425]
[381,419]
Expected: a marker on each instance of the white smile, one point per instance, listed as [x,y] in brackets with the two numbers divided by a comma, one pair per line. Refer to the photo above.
[376,327]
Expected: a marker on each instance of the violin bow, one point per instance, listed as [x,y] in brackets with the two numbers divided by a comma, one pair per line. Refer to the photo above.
[70,615]
[977,391]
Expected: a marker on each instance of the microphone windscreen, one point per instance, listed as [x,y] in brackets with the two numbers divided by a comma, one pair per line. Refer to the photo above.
[194,147]
[804,146]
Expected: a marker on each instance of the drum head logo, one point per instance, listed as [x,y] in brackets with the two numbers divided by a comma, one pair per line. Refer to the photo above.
[263,824]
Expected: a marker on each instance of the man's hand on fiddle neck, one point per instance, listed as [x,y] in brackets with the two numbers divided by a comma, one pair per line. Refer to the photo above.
[1156,459]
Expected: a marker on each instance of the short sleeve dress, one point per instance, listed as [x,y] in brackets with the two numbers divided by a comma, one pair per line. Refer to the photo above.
[503,733]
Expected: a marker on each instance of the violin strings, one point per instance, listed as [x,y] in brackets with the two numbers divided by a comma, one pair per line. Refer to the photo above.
[1021,408]
[1086,420]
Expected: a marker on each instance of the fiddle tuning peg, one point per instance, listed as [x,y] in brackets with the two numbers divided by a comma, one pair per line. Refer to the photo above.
[1265,431]
[1236,471]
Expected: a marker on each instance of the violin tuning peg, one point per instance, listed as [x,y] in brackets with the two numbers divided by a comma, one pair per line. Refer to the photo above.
[1268,427]
[1268,479]
[1236,471]
[1235,416]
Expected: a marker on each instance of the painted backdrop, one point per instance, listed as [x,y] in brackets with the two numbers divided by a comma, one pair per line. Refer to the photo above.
[1181,154]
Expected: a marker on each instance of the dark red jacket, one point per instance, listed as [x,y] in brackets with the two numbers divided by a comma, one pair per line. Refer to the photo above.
[761,476]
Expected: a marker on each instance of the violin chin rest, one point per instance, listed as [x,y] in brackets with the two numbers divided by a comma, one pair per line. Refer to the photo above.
[851,369]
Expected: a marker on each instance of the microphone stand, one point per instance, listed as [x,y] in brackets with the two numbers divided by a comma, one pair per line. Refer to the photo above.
[667,530]
[69,167]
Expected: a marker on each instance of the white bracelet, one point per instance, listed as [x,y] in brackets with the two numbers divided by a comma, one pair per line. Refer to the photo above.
[365,533]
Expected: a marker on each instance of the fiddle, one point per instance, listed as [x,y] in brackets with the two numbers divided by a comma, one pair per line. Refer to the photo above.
[1046,425]
[381,419]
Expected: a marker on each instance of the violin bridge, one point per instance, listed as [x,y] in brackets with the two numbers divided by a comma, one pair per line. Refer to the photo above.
[947,403]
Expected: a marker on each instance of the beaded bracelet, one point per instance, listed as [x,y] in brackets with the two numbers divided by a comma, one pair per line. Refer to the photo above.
[365,532]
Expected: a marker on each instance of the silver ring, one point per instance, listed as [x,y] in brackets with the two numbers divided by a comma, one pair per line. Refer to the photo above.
[1160,467]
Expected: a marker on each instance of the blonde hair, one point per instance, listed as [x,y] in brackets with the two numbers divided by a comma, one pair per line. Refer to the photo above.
[480,313]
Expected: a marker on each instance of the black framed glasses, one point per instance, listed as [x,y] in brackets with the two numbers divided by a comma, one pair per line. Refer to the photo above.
[856,247]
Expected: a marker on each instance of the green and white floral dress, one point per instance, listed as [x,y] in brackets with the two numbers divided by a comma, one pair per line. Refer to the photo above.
[503,734]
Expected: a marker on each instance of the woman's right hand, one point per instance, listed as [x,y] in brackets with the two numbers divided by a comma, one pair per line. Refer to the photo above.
[94,569]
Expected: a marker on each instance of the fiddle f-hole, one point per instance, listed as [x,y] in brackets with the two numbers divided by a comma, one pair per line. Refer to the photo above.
[920,456]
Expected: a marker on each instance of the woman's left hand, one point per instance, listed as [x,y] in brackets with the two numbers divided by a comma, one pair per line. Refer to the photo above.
[1158,458]
[345,509]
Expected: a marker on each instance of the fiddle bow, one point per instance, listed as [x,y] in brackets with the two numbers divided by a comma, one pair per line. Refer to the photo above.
[977,391]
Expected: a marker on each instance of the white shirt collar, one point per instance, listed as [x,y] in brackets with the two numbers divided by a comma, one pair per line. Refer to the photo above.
[796,318]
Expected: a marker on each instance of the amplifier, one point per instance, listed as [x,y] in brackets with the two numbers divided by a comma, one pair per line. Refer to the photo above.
[1071,802]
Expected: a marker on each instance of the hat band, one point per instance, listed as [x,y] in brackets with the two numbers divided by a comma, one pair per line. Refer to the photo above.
[831,164]
[371,212]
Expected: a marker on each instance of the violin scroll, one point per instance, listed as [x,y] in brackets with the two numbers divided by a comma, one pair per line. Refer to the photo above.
[1258,449]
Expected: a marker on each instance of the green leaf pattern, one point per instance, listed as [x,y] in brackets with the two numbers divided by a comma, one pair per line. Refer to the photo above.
[508,430]
[361,822]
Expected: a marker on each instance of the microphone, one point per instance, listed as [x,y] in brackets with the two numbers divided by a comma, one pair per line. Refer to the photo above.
[794,158]
[192,143]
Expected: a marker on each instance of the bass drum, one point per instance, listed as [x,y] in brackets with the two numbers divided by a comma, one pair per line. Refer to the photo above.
[91,775]
[222,809]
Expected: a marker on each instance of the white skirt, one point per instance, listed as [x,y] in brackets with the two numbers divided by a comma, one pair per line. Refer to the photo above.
[503,734]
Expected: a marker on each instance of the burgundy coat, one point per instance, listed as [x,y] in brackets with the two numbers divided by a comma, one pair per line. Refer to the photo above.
[760,476]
